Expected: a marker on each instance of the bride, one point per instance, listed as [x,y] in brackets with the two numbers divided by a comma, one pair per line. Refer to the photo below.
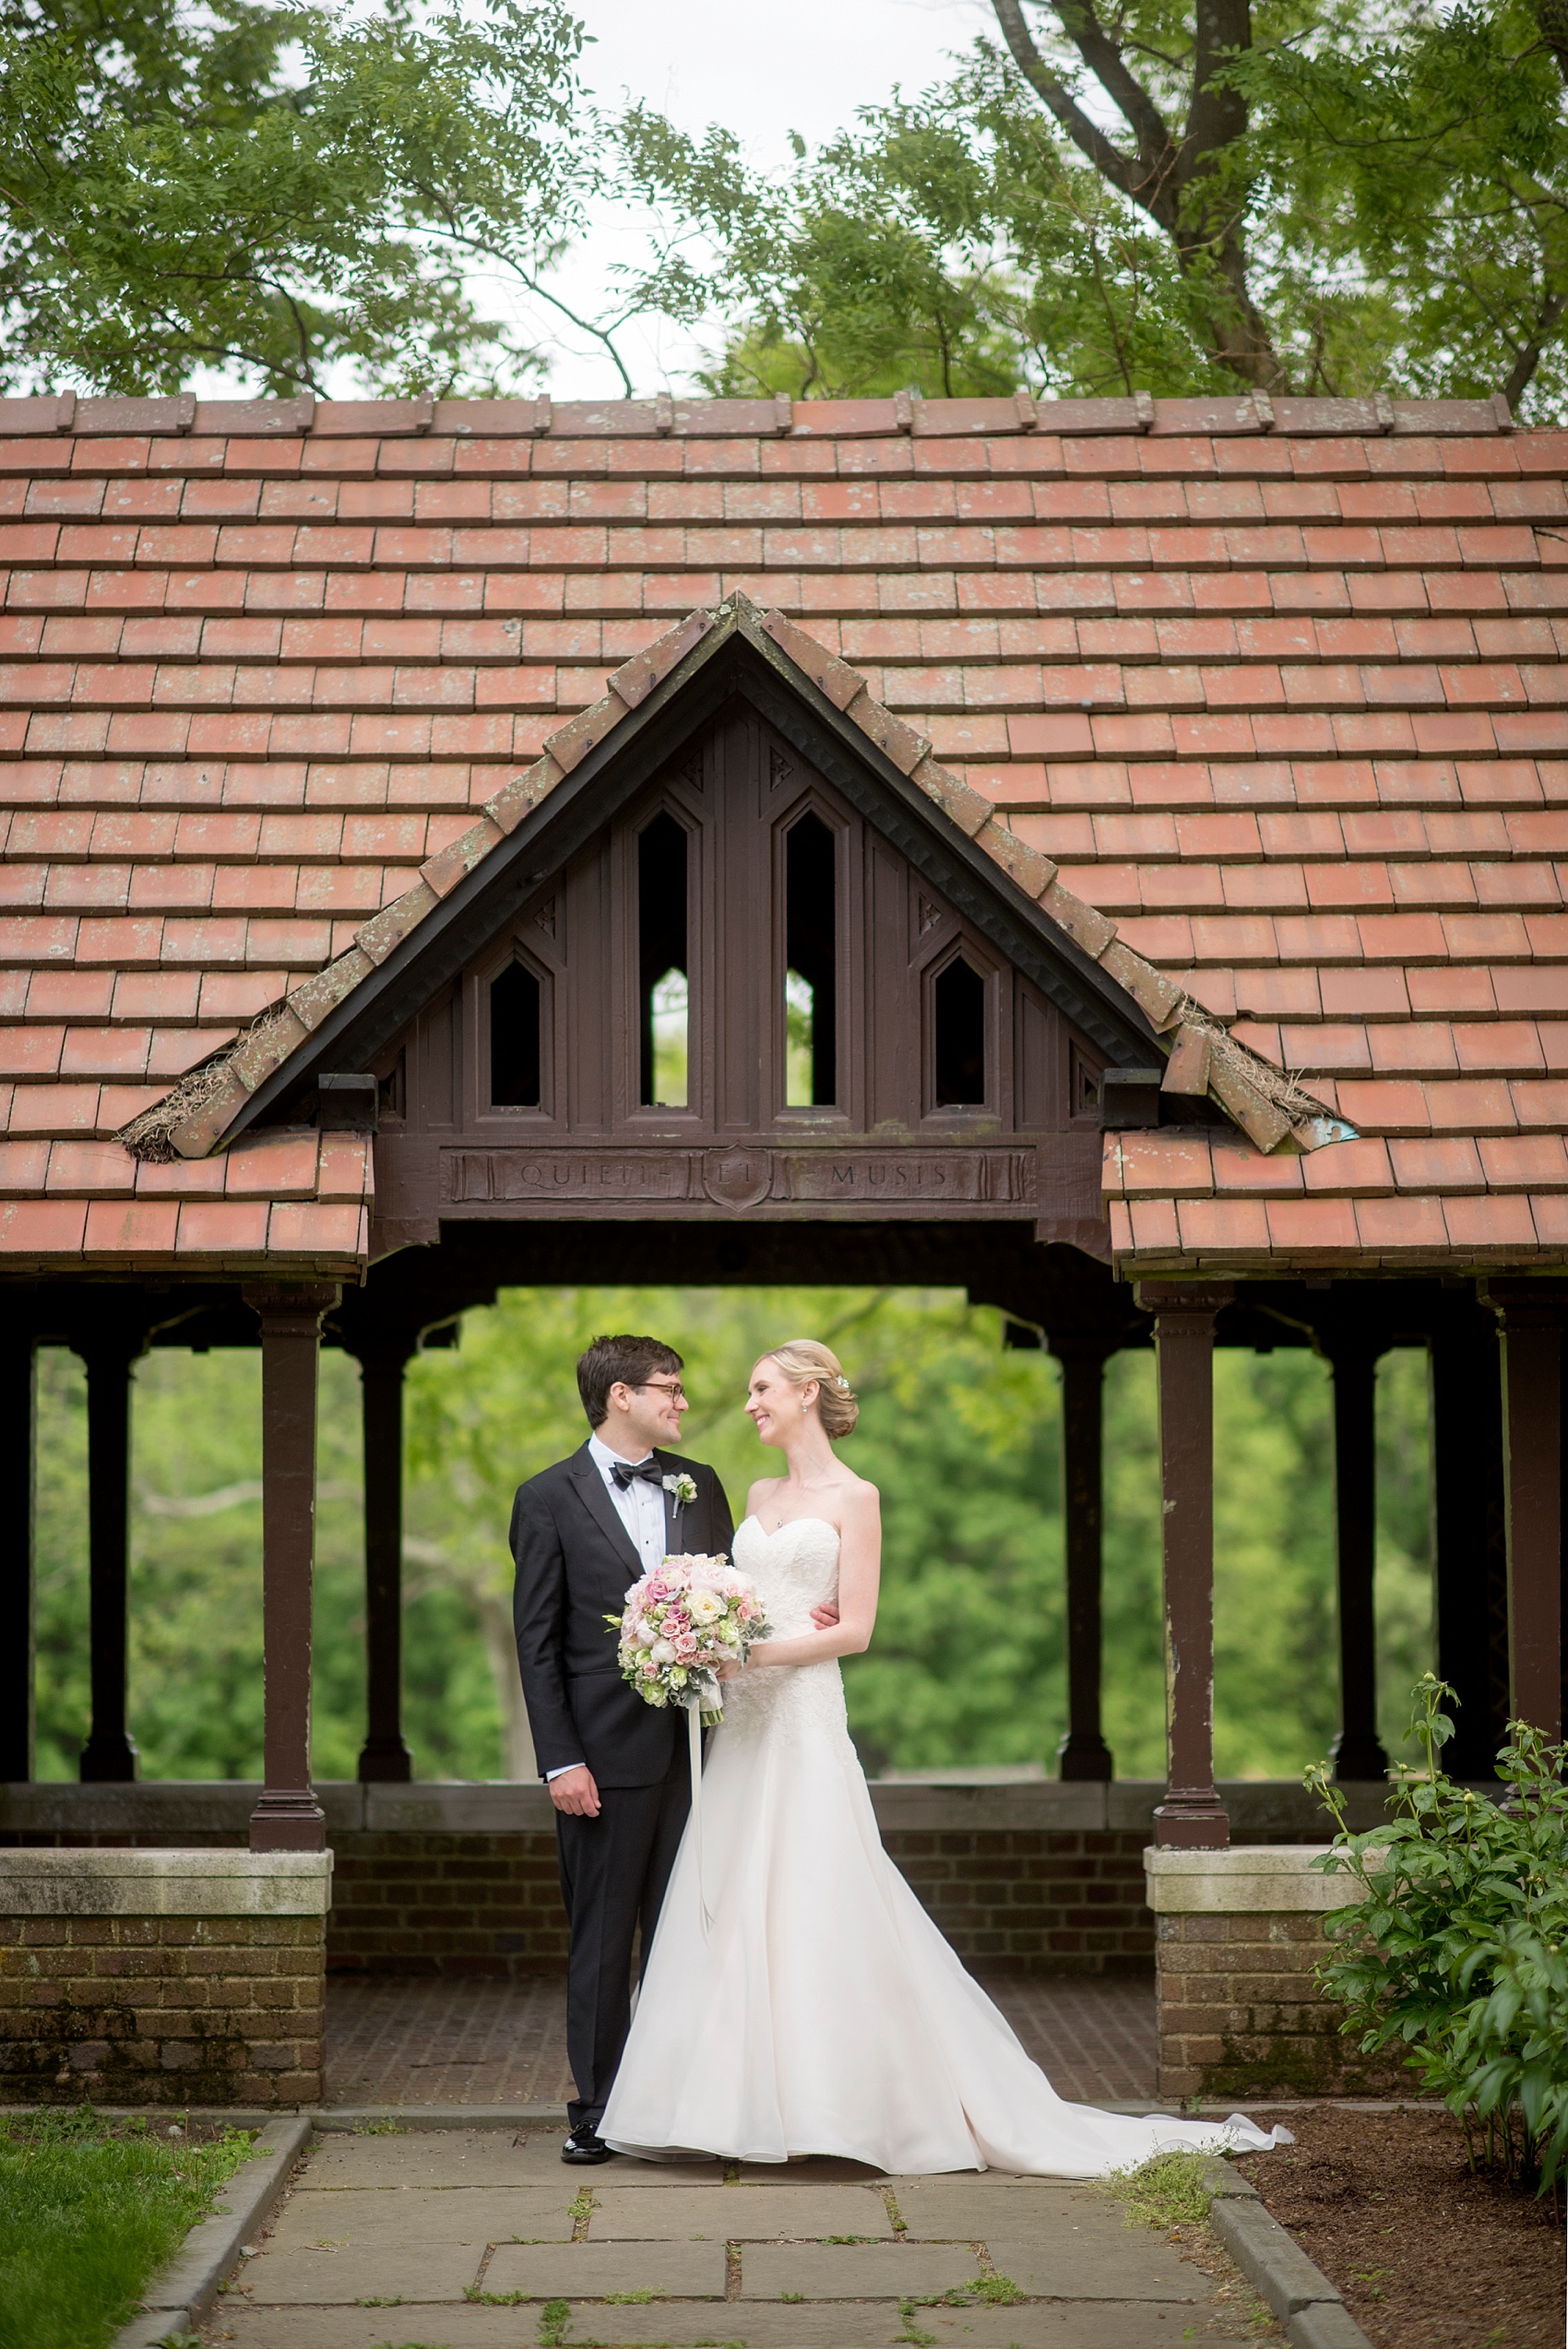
[797,1998]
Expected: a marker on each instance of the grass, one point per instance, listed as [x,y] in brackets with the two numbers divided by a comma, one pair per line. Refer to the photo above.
[1167,2191]
[89,2210]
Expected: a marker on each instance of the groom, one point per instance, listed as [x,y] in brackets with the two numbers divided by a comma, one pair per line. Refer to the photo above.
[582,1532]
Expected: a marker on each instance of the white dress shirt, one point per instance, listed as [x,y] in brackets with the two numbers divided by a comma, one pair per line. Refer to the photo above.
[640,1507]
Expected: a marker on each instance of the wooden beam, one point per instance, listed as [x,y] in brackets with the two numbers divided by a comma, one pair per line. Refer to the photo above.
[19,1484]
[1192,1815]
[288,1816]
[1082,1753]
[1531,1316]
[109,1347]
[385,1758]
[1357,1751]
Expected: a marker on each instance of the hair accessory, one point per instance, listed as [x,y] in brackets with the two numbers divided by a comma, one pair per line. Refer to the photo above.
[842,1380]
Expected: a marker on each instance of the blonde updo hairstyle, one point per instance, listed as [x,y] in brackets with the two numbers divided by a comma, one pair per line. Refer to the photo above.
[802,1360]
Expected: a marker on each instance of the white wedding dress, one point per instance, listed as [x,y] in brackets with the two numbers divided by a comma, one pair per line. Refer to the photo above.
[814,2008]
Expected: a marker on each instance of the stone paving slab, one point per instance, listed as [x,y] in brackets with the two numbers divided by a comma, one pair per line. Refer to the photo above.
[452,2328]
[854,2272]
[1103,2262]
[418,2270]
[360,2218]
[938,2210]
[843,2326]
[414,2219]
[587,2270]
[740,2214]
[452,2157]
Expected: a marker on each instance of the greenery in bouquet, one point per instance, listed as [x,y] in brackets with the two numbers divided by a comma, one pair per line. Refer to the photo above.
[682,1620]
[1457,1950]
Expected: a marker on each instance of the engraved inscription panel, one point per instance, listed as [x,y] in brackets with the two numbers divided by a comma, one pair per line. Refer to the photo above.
[964,1177]
[474,1177]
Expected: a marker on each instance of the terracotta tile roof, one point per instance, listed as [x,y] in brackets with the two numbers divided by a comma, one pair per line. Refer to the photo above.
[1281,692]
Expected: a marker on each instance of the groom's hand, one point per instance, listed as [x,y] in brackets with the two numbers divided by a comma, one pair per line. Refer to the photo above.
[575,1791]
[824,1617]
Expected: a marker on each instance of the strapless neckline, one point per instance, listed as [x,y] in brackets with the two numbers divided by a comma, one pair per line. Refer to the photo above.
[754,1520]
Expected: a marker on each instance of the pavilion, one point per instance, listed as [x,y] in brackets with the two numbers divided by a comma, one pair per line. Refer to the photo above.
[1156,805]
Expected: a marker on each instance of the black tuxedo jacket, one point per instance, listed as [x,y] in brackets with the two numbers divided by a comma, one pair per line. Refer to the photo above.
[576,1561]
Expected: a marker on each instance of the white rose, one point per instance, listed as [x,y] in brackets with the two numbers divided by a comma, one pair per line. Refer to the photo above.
[662,1652]
[704,1607]
[646,1636]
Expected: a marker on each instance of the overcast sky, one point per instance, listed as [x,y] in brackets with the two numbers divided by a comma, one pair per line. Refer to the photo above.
[763,69]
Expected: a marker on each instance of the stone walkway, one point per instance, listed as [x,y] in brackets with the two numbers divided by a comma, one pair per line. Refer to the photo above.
[481,2240]
[430,2040]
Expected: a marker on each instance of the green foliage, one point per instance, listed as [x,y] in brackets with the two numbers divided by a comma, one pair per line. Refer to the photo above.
[1416,172]
[962,1436]
[88,2209]
[948,243]
[1341,199]
[272,190]
[1457,1952]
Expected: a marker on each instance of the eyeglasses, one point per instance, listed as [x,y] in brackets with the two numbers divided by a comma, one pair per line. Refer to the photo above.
[662,1386]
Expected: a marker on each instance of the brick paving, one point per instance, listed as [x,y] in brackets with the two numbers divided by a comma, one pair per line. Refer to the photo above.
[431,2040]
[470,2234]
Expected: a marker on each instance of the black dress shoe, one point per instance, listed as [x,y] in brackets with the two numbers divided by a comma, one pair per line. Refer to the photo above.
[585,2145]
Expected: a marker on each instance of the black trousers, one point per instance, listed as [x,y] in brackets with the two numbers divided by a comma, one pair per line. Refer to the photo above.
[614,1870]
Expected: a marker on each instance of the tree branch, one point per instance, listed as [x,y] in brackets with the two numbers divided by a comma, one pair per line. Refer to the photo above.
[1085,134]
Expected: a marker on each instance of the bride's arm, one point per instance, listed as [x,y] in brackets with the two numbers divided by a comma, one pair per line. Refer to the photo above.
[859,1574]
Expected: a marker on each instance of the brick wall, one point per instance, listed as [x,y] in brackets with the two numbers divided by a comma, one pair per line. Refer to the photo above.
[431,1903]
[1240,2015]
[1011,1900]
[161,2009]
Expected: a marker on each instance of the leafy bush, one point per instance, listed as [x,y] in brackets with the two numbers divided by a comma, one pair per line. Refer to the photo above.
[1457,1948]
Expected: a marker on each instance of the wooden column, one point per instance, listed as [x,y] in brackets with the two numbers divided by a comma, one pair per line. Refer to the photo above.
[18,1484]
[1531,1317]
[1469,1536]
[1083,1752]
[287,1817]
[1192,1816]
[110,1754]
[385,1757]
[1357,1751]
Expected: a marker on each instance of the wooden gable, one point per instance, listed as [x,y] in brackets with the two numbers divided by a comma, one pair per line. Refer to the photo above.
[741,967]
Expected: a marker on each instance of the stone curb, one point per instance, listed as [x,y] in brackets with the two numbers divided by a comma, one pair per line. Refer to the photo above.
[1315,2314]
[182,2293]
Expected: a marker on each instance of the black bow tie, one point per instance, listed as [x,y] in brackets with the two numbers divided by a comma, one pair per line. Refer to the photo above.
[649,1470]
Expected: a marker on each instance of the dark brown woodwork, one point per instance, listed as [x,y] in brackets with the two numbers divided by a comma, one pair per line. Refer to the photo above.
[1469,1539]
[883,1146]
[1531,1319]
[1192,1816]
[385,1758]
[1357,1751]
[288,1816]
[18,1488]
[110,1754]
[1083,1752]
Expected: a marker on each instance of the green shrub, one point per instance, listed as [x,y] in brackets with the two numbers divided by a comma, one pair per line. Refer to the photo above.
[1457,1948]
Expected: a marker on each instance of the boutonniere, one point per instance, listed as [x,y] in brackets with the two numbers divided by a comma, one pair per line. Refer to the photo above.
[683,1488]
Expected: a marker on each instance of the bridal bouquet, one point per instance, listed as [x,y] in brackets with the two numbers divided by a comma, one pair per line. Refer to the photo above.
[687,1617]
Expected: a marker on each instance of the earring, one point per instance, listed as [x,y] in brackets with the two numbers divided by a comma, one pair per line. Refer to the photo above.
[804,1407]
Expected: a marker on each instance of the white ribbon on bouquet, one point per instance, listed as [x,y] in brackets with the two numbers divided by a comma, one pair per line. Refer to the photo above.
[693,1732]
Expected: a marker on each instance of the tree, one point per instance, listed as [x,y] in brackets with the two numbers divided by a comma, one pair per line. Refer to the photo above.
[1189,176]
[1174,194]
[275,191]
